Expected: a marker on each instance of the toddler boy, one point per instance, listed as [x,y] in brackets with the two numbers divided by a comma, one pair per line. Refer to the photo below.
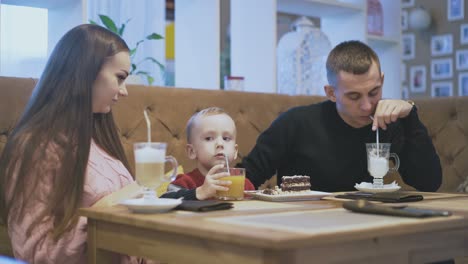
[211,137]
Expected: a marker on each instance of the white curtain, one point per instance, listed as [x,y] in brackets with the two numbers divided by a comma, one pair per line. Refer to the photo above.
[19,26]
[146,17]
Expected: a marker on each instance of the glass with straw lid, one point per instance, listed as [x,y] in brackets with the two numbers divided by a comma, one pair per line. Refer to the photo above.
[150,158]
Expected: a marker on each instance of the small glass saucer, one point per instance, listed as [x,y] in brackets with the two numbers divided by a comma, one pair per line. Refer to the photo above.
[142,206]
[368,187]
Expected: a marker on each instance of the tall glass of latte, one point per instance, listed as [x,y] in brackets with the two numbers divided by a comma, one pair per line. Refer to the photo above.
[150,158]
[377,162]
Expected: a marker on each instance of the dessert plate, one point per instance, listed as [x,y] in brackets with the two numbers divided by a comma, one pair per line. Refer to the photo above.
[142,206]
[288,197]
[368,187]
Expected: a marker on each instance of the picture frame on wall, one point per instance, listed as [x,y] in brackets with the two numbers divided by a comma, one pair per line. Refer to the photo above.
[404,92]
[418,79]
[404,20]
[441,89]
[462,59]
[464,34]
[455,9]
[441,45]
[408,46]
[442,68]
[463,84]
[407,3]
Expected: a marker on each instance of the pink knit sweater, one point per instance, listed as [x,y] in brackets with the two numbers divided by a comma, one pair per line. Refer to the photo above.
[104,175]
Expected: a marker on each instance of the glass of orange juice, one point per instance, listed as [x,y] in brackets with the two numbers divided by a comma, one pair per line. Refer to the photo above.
[236,189]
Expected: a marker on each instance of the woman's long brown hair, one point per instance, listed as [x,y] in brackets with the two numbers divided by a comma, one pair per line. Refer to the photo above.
[59,116]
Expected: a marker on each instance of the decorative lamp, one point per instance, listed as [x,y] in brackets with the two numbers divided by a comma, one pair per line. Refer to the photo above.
[419,18]
[301,57]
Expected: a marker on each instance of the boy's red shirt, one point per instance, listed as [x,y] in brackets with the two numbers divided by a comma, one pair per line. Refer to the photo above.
[195,179]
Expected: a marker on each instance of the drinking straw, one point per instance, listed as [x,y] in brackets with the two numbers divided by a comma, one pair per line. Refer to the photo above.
[227,162]
[377,140]
[148,124]
[377,137]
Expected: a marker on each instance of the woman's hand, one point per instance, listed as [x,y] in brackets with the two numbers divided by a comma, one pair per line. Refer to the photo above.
[132,190]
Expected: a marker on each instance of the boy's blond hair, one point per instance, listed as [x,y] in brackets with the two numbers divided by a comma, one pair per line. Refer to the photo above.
[205,112]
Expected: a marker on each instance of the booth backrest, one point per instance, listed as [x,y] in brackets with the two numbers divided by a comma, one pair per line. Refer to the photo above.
[170,108]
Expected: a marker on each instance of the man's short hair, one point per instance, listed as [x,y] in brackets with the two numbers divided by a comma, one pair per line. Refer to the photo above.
[205,112]
[350,56]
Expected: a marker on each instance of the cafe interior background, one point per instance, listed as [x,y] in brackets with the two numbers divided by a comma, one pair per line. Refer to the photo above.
[273,46]
[267,46]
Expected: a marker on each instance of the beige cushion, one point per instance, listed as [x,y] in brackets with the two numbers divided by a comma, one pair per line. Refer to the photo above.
[463,187]
[170,108]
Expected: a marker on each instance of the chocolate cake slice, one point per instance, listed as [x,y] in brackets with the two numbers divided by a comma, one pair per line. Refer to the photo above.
[295,183]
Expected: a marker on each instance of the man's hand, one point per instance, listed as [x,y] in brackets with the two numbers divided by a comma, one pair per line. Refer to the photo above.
[388,111]
[212,183]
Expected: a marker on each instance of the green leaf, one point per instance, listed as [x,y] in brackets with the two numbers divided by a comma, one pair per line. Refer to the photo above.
[109,23]
[93,22]
[121,29]
[133,51]
[154,36]
[155,61]
[151,59]
[150,79]
[142,72]
[138,43]
[161,67]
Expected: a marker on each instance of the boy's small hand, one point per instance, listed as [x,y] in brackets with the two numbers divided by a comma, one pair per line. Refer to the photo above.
[212,183]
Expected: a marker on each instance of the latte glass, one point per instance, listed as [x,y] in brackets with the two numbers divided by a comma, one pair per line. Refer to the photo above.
[377,161]
[150,158]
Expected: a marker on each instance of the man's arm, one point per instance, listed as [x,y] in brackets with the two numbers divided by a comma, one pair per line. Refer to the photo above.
[270,151]
[420,166]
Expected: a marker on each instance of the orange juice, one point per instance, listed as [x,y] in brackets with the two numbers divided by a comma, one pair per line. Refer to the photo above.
[236,189]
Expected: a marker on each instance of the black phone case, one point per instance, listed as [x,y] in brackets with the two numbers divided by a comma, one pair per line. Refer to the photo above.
[362,206]
[382,197]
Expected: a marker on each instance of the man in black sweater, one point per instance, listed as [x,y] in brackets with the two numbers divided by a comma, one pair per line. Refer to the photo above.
[327,140]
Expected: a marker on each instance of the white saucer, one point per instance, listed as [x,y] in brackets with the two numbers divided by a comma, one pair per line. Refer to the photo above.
[142,206]
[368,187]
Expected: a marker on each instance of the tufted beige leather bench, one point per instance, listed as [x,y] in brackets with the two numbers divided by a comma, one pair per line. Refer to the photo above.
[170,108]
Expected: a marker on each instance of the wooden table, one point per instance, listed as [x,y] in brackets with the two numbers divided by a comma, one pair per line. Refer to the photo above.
[265,232]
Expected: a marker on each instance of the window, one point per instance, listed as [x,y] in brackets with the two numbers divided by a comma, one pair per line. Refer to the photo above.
[23,41]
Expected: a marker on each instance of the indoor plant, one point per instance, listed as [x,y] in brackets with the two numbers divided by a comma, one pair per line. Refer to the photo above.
[110,25]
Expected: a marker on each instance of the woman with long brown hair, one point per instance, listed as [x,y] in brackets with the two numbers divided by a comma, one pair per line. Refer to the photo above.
[65,152]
